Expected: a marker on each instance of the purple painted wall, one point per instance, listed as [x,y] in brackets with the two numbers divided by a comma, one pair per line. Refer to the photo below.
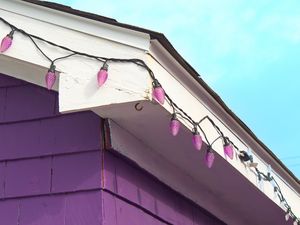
[50,164]
[53,170]
[131,196]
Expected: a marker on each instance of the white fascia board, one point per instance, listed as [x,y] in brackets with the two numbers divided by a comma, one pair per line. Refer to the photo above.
[167,61]
[69,21]
[197,102]
[77,78]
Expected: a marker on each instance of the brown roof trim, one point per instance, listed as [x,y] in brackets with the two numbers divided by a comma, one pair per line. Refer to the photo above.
[164,41]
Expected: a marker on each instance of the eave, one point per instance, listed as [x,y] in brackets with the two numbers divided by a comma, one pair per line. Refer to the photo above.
[128,86]
[168,47]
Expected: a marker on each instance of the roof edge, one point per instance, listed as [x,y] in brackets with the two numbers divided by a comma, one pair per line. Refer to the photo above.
[169,47]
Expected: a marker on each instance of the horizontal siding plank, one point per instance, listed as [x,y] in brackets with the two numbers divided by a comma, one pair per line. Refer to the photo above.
[27,177]
[69,133]
[84,209]
[46,210]
[20,140]
[9,212]
[6,81]
[76,172]
[28,102]
[66,209]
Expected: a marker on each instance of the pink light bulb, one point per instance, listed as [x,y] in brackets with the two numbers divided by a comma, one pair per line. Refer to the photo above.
[158,92]
[174,125]
[228,149]
[50,77]
[102,75]
[209,158]
[197,140]
[287,215]
[6,42]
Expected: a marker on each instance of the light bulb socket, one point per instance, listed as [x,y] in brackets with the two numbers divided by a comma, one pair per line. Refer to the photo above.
[156,84]
[52,68]
[226,141]
[209,149]
[259,177]
[244,156]
[251,158]
[104,67]
[11,34]
[287,215]
[269,176]
[174,117]
[195,131]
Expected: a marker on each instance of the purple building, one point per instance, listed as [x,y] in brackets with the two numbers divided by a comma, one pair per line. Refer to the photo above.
[55,169]
[83,155]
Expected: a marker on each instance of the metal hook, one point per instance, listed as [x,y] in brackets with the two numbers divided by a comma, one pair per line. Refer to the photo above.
[137,107]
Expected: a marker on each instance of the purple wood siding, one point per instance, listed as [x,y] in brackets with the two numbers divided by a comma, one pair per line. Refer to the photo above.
[50,164]
[27,177]
[131,193]
[54,172]
[76,172]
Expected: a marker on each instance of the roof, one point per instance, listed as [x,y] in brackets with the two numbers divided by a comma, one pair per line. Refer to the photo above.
[169,47]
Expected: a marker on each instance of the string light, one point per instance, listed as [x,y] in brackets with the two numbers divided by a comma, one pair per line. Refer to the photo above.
[158,92]
[209,157]
[174,125]
[50,77]
[260,182]
[244,156]
[269,170]
[248,158]
[228,149]
[102,74]
[6,41]
[271,178]
[197,139]
[160,96]
[287,215]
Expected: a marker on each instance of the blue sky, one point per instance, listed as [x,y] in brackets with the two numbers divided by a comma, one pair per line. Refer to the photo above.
[247,51]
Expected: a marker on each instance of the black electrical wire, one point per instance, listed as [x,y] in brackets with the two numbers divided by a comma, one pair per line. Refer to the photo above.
[176,109]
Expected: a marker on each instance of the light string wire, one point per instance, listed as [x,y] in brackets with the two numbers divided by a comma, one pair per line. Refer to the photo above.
[176,109]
